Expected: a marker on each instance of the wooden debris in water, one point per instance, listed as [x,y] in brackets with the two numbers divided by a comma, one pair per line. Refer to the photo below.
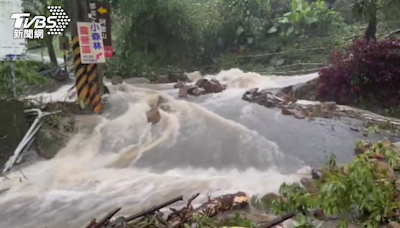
[187,216]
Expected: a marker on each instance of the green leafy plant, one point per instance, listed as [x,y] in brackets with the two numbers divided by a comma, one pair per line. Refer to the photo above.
[301,17]
[26,74]
[362,191]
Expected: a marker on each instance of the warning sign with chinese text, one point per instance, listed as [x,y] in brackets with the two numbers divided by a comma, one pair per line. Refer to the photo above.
[91,43]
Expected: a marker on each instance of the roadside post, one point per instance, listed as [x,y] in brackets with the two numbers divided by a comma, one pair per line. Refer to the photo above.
[89,50]
[100,13]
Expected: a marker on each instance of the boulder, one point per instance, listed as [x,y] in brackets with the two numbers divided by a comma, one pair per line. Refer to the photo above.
[191,89]
[249,94]
[303,91]
[260,98]
[115,80]
[202,86]
[197,91]
[183,92]
[316,174]
[180,84]
[153,116]
[212,86]
[201,82]
[286,112]
[309,184]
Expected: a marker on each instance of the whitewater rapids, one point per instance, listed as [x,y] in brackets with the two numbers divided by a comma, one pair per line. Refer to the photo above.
[214,144]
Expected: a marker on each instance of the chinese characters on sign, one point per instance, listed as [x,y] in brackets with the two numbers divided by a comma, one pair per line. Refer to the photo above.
[91,43]
[100,13]
[28,34]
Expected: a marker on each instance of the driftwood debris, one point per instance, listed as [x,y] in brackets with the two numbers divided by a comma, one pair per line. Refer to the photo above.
[104,221]
[146,212]
[211,208]
[178,218]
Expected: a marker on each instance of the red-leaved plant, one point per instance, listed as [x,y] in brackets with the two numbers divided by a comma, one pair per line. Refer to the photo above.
[367,71]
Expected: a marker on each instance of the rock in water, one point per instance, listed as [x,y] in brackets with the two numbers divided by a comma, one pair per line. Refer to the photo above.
[183,92]
[316,174]
[212,86]
[201,82]
[303,91]
[197,91]
[180,84]
[117,80]
[191,89]
[286,112]
[249,94]
[153,116]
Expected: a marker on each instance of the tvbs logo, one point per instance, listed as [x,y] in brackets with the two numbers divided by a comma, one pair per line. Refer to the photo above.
[56,23]
[39,22]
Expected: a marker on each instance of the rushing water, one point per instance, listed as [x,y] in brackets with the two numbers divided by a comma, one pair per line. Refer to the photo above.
[213,144]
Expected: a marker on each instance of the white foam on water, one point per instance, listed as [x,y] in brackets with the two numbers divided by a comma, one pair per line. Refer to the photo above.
[62,94]
[82,182]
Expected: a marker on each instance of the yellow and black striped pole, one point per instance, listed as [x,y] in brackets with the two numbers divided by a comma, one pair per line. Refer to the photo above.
[86,75]
[81,78]
[94,89]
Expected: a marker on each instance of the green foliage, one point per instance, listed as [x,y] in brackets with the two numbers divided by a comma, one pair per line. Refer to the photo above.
[26,73]
[304,16]
[360,191]
[193,33]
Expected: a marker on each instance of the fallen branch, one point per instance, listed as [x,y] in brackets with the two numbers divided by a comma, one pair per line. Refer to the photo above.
[211,208]
[189,208]
[279,220]
[107,218]
[146,212]
[91,223]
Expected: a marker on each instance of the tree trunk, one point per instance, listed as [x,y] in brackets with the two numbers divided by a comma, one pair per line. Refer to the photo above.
[370,31]
[51,51]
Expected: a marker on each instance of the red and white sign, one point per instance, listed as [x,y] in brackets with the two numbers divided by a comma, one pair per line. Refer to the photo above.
[91,43]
